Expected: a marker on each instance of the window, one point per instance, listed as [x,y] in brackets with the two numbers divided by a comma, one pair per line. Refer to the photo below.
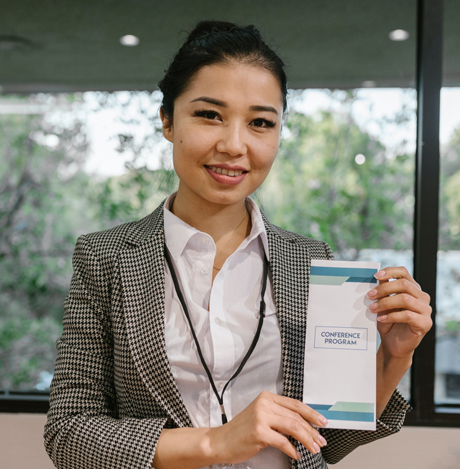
[81,162]
[447,362]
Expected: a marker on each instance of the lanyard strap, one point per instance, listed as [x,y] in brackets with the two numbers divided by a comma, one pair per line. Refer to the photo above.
[254,340]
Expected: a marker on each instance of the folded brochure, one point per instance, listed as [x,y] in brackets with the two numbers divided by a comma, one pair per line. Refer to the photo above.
[341,341]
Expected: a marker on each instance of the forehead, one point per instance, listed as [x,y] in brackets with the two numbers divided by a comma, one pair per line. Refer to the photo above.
[236,82]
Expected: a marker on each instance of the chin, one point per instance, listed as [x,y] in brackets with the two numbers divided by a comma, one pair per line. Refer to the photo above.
[226,199]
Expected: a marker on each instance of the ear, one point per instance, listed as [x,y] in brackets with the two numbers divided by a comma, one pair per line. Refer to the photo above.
[167,127]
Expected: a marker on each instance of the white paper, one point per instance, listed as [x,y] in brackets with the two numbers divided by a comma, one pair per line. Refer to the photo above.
[340,347]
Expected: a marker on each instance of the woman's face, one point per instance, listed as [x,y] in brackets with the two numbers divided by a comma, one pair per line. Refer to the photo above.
[225,131]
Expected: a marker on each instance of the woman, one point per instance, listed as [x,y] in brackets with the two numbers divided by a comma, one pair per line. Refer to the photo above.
[150,347]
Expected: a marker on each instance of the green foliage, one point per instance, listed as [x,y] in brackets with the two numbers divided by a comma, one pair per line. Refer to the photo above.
[46,200]
[133,195]
[449,206]
[316,187]
[42,210]
[452,326]
[26,350]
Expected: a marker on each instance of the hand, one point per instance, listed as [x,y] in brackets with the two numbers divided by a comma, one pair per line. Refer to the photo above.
[403,312]
[266,422]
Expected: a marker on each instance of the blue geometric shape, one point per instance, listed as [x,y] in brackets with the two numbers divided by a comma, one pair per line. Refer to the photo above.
[355,274]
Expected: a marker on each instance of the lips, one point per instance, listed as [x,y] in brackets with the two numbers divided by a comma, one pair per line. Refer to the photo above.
[225,175]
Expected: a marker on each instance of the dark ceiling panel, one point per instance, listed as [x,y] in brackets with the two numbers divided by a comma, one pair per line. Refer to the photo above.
[326,43]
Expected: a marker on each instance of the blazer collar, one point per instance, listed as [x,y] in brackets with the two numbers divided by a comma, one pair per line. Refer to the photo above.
[142,275]
[290,270]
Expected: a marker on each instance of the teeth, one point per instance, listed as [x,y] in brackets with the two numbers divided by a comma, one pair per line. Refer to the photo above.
[226,172]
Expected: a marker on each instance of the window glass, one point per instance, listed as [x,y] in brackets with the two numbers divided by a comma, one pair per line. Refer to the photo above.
[345,174]
[77,163]
[72,164]
[84,162]
[447,384]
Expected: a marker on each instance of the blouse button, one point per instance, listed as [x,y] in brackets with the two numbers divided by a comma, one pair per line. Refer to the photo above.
[205,270]
[204,240]
[218,321]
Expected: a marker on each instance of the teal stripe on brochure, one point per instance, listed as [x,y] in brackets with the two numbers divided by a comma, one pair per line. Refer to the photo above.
[362,279]
[349,416]
[325,280]
[353,274]
[342,415]
[353,406]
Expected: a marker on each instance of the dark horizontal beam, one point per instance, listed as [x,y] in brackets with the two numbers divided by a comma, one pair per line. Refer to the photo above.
[24,402]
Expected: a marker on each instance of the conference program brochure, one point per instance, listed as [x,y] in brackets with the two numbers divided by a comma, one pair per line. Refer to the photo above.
[341,342]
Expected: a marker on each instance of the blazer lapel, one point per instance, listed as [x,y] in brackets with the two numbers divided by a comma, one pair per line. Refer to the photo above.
[142,275]
[290,269]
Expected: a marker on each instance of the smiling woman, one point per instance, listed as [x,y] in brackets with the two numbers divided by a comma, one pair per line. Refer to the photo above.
[184,332]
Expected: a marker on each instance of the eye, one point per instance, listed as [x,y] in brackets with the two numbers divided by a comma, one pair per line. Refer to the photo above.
[263,123]
[212,115]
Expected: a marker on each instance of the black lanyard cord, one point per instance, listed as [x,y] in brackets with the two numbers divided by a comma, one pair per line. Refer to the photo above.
[254,341]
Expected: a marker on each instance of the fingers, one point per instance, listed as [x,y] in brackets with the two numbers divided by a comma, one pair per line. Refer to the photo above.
[395,273]
[291,417]
[269,421]
[401,301]
[292,423]
[402,285]
[307,436]
[402,293]
[306,412]
[418,323]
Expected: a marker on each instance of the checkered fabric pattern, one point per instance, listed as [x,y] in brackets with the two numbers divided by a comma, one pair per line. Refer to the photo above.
[113,391]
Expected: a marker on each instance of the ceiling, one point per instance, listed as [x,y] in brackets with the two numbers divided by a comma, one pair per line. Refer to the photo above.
[73,45]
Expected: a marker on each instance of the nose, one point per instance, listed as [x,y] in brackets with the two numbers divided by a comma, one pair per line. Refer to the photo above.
[232,140]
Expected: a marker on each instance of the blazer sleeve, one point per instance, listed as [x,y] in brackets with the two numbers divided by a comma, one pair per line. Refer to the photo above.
[83,428]
[342,442]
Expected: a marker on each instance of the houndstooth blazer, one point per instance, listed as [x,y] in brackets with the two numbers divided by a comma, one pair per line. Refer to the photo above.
[113,391]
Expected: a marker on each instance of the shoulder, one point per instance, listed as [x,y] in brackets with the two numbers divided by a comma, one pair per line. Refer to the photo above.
[109,243]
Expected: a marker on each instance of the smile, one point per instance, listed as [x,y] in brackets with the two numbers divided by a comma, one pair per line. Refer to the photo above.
[229,177]
[226,172]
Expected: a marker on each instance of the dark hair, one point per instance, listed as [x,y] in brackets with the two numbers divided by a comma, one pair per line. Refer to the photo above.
[218,42]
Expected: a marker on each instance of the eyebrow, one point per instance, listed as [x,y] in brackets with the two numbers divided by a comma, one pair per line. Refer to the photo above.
[264,109]
[220,103]
[206,99]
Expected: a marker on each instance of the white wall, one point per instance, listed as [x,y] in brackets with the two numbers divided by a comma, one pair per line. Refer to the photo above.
[21,447]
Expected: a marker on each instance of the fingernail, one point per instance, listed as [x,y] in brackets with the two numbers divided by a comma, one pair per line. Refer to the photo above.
[322,440]
[316,447]
[380,274]
[373,306]
[299,456]
[323,420]
[372,293]
[382,318]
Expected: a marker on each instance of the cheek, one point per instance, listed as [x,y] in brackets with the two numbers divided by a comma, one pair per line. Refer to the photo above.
[268,153]
[193,144]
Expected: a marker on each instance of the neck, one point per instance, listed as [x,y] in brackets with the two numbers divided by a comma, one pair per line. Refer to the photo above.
[219,221]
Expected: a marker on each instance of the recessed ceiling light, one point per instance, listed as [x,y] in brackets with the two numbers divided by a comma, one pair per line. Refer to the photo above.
[129,40]
[398,35]
[368,84]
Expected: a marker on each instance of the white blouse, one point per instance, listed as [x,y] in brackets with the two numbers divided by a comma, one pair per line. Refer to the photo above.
[224,315]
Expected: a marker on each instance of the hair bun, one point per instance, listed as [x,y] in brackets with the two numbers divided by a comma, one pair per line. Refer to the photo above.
[218,42]
[205,28]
